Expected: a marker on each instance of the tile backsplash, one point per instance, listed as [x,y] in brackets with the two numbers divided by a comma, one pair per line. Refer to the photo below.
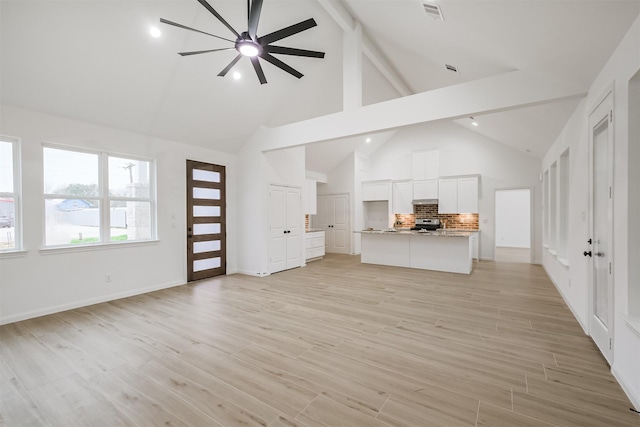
[459,221]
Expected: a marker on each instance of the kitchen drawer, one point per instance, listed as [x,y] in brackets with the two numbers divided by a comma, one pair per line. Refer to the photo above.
[308,243]
[318,242]
[317,252]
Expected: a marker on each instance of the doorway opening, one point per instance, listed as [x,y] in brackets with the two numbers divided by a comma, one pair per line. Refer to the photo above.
[513,225]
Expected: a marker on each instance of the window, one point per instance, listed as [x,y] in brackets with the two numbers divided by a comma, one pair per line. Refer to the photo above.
[10,189]
[563,206]
[95,197]
[545,209]
[553,208]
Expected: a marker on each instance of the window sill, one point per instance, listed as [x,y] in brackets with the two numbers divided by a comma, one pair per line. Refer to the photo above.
[564,261]
[95,247]
[13,253]
[633,322]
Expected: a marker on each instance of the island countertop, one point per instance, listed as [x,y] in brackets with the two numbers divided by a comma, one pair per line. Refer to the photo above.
[439,233]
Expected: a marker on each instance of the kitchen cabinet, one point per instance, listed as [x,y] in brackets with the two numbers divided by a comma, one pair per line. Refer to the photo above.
[468,195]
[310,197]
[475,246]
[373,191]
[425,165]
[314,245]
[425,189]
[402,197]
[285,228]
[458,195]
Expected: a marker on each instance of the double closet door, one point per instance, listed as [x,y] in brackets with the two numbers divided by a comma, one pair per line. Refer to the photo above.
[333,217]
[285,228]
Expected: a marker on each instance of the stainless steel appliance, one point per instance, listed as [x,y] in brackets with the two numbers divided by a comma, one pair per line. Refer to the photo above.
[426,224]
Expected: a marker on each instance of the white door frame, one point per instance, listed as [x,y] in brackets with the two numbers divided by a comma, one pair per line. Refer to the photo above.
[532,242]
[603,110]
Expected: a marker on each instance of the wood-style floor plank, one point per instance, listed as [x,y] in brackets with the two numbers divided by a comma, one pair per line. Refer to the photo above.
[337,343]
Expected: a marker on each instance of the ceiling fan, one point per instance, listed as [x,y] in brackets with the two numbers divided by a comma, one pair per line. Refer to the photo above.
[250,45]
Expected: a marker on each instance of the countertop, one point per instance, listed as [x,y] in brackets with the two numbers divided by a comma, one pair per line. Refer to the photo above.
[439,233]
[312,230]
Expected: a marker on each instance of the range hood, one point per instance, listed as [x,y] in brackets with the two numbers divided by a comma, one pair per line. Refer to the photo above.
[425,202]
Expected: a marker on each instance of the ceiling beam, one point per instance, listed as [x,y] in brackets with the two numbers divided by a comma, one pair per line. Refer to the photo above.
[515,89]
[336,9]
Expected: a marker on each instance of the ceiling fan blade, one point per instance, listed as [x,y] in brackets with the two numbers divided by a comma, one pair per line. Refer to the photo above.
[275,61]
[217,15]
[175,24]
[254,17]
[286,32]
[293,51]
[230,66]
[198,52]
[258,68]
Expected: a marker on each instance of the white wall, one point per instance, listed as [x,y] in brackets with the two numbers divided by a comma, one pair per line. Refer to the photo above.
[572,281]
[464,152]
[41,282]
[513,216]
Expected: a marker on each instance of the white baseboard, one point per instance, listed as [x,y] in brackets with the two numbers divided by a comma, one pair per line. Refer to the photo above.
[566,301]
[631,394]
[252,273]
[77,304]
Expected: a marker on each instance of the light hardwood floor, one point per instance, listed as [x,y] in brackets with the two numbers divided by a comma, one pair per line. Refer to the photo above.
[336,343]
[504,254]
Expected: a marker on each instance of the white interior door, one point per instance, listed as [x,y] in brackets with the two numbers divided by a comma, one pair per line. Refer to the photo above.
[277,228]
[333,217]
[340,228]
[294,227]
[601,209]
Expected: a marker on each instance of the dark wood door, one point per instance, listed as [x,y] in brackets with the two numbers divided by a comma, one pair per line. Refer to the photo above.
[206,221]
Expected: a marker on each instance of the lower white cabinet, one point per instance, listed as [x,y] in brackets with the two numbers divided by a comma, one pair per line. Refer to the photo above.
[314,245]
[475,245]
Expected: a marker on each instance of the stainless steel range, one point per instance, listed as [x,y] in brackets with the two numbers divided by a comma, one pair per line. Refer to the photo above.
[426,224]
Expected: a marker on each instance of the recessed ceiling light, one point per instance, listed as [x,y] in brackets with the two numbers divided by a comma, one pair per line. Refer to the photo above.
[368,140]
[237,75]
[155,32]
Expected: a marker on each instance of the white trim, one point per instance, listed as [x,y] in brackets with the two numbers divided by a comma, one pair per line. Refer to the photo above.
[50,250]
[628,390]
[564,261]
[633,322]
[13,253]
[87,302]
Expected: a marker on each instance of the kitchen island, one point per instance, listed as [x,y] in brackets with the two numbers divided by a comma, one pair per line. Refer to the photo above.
[441,250]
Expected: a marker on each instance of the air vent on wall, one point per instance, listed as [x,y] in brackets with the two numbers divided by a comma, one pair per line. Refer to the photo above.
[451,68]
[433,11]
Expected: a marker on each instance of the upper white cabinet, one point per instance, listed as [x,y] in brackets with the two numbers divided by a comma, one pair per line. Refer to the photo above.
[402,194]
[310,197]
[458,195]
[373,191]
[448,195]
[425,165]
[468,195]
[425,189]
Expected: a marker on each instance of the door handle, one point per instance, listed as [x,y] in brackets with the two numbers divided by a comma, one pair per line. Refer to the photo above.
[585,253]
[589,241]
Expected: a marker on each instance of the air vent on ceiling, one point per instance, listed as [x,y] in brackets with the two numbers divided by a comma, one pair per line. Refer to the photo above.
[433,11]
[451,68]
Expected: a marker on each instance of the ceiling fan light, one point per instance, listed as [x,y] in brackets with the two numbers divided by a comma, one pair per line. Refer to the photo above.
[248,48]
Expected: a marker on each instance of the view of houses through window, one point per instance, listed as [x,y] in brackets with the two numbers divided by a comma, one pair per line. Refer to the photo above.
[96,197]
[9,194]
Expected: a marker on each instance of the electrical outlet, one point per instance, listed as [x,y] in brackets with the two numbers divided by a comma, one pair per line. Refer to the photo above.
[107,278]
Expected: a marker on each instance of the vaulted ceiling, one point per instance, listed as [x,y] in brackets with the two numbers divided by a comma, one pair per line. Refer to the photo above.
[94,60]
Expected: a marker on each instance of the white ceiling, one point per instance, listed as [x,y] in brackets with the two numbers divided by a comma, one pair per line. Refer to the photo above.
[94,60]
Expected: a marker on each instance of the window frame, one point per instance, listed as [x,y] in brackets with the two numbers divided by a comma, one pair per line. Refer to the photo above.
[16,152]
[104,198]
